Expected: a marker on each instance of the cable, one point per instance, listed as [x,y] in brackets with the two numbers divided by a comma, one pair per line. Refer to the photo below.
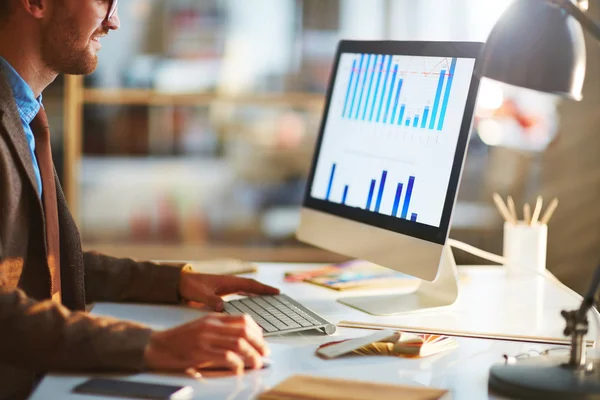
[486,255]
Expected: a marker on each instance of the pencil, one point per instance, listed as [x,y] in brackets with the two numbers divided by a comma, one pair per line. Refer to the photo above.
[502,208]
[537,210]
[549,211]
[512,208]
[527,213]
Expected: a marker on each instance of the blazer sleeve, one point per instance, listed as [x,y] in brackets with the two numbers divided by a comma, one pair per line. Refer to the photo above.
[44,335]
[126,280]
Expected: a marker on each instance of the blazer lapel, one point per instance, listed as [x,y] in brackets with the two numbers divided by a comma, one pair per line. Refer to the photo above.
[11,122]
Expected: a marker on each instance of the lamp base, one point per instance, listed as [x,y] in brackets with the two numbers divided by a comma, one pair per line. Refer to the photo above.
[545,377]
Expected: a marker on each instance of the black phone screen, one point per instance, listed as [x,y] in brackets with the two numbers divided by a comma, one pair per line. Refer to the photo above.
[140,390]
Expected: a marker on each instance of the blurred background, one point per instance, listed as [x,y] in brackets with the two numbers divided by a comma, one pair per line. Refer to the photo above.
[193,138]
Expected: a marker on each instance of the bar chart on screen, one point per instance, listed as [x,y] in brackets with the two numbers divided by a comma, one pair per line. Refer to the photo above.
[391,132]
[380,89]
[374,198]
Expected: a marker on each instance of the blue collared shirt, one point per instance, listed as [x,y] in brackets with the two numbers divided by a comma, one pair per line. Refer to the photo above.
[28,107]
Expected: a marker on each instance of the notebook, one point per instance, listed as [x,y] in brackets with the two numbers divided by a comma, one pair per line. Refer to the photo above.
[355,274]
[389,343]
[303,387]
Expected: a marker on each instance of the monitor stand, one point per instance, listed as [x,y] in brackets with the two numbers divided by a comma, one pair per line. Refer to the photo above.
[442,291]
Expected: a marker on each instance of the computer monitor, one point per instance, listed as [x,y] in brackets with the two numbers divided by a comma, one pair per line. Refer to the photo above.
[388,162]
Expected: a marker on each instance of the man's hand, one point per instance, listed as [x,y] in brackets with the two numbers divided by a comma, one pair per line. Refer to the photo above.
[208,289]
[215,341]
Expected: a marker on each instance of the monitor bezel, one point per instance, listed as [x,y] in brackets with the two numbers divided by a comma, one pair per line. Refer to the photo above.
[409,48]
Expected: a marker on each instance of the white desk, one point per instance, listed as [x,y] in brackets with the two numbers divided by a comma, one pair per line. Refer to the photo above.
[488,302]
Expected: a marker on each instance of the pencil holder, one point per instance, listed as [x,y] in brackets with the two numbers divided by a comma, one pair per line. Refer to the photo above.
[525,247]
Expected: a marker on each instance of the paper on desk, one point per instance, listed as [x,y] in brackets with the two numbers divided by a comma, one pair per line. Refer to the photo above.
[302,387]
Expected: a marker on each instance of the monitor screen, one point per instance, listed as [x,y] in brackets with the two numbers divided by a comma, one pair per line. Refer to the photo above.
[390,138]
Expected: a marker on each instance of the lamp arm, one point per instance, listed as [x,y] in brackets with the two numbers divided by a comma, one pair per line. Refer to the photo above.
[577,324]
[588,300]
[579,15]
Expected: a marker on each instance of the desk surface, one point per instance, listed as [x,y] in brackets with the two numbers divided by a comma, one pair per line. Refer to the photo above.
[488,302]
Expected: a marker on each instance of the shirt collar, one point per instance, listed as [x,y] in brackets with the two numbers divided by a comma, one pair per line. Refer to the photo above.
[27,104]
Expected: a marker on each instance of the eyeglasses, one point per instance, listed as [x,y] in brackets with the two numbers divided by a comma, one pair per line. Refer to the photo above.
[112,9]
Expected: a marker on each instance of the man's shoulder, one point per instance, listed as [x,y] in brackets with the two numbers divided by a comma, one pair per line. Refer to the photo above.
[9,114]
[7,101]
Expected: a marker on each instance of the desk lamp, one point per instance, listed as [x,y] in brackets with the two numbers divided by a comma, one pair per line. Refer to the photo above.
[539,45]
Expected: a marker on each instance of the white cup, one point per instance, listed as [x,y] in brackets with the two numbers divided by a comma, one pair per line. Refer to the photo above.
[525,248]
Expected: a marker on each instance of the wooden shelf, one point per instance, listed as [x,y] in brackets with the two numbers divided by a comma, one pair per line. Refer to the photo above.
[197,252]
[154,98]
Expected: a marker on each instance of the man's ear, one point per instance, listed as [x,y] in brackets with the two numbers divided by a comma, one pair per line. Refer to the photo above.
[36,8]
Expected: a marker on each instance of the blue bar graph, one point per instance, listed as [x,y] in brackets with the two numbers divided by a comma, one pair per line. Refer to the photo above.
[396,101]
[349,88]
[362,57]
[425,114]
[345,195]
[446,95]
[380,70]
[330,182]
[436,102]
[375,67]
[387,107]
[370,198]
[362,86]
[409,188]
[413,217]
[381,189]
[383,90]
[397,200]
[376,83]
[407,123]
[400,118]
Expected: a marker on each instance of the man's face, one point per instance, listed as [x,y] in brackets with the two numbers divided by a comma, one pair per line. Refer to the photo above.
[71,34]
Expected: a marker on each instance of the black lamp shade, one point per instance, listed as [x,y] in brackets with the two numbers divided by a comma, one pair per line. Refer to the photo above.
[537,46]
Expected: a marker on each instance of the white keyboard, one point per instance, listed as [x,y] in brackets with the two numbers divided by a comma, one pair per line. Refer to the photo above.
[279,314]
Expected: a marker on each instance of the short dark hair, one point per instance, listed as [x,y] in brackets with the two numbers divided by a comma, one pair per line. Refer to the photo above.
[5,10]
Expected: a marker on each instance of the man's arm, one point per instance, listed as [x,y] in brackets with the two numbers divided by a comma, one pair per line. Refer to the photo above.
[43,336]
[114,279]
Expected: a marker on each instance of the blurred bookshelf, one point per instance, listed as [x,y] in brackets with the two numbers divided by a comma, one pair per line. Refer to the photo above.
[193,139]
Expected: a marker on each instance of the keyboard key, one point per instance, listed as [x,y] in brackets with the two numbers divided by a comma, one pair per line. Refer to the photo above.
[303,322]
[268,327]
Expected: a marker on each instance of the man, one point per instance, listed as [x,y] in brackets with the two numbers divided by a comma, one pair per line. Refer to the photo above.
[45,279]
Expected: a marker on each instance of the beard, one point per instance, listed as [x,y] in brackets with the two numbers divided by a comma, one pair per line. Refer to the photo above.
[64,49]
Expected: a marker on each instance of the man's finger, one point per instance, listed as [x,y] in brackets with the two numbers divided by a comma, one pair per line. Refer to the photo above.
[240,320]
[254,338]
[218,358]
[242,327]
[213,301]
[252,358]
[234,362]
[249,332]
[254,286]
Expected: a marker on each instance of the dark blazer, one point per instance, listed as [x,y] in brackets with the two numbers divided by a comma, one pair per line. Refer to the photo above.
[36,333]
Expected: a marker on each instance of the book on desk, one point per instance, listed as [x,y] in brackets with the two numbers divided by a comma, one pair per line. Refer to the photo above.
[389,343]
[351,275]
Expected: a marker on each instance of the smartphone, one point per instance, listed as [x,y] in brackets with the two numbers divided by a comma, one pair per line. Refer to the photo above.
[137,390]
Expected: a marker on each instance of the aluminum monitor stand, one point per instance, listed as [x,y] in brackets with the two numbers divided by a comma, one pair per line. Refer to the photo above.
[441,292]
